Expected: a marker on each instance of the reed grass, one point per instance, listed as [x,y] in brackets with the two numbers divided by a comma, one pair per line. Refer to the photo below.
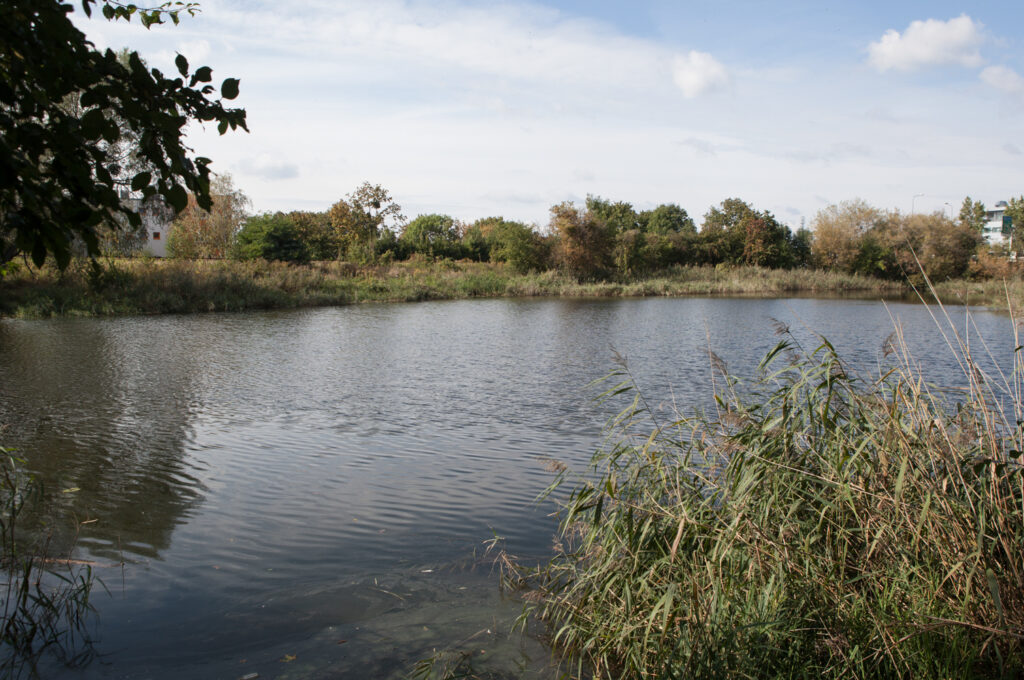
[815,524]
[148,286]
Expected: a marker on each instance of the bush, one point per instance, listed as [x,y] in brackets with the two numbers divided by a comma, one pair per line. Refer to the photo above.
[270,237]
[815,525]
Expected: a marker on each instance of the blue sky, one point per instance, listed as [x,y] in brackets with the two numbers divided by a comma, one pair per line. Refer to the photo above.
[506,108]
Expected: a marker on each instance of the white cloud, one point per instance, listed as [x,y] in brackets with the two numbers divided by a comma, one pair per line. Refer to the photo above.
[268,167]
[697,73]
[927,43]
[1003,78]
[195,50]
[506,108]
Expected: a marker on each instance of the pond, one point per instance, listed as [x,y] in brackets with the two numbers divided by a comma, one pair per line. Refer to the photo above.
[306,494]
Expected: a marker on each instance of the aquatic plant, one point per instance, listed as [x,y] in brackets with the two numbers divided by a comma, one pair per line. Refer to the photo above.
[44,599]
[814,524]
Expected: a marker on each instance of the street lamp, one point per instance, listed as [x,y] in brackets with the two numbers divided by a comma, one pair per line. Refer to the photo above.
[950,206]
[916,196]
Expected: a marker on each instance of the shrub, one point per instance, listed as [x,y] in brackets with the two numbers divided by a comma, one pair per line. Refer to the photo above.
[432,235]
[270,237]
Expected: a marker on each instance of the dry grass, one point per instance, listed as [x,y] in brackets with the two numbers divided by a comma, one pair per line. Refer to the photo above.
[148,286]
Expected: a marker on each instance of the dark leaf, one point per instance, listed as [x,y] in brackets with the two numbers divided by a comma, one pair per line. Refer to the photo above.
[93,124]
[182,63]
[229,88]
[177,197]
[203,74]
[140,181]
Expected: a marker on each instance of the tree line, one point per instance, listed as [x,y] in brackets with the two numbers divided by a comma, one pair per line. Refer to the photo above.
[599,239]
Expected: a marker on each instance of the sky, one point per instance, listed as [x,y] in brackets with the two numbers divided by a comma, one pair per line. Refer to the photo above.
[475,108]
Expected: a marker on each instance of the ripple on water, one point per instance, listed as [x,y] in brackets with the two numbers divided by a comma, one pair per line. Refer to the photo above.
[270,478]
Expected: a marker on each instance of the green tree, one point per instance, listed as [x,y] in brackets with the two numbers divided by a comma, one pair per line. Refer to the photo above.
[380,210]
[314,229]
[474,244]
[617,216]
[723,232]
[433,235]
[357,221]
[1015,211]
[972,214]
[727,215]
[801,246]
[667,218]
[518,245]
[736,233]
[57,181]
[271,236]
[198,233]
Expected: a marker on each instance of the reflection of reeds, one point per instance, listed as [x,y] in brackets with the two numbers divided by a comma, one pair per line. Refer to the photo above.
[147,286]
[816,524]
[44,599]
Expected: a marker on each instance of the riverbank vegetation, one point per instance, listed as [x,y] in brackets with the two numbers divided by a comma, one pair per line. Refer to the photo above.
[363,249]
[602,239]
[816,524]
[150,286]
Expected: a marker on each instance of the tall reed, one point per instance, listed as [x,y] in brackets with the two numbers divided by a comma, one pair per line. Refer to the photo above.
[815,524]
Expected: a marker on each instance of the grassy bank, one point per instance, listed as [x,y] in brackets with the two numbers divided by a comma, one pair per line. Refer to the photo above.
[815,525]
[148,286]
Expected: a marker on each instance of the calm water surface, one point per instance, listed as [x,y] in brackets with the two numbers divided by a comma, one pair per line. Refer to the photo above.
[306,494]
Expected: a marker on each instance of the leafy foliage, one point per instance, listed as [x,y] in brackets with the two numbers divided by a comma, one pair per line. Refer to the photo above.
[518,245]
[358,221]
[271,236]
[1015,211]
[972,214]
[617,216]
[432,235]
[736,233]
[667,218]
[57,181]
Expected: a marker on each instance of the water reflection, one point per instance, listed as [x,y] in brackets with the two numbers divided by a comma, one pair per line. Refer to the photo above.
[103,407]
[271,473]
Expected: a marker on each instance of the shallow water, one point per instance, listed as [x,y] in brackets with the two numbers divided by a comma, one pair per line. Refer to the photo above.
[306,494]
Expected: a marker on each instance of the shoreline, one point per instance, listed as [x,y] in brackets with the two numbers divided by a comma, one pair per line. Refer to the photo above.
[131,287]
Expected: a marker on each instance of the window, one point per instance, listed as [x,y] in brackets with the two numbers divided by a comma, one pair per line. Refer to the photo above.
[156,235]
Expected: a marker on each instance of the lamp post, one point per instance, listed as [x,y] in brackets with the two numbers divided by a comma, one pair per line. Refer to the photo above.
[950,206]
[916,196]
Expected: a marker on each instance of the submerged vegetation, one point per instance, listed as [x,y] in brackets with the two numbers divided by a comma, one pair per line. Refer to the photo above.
[815,524]
[45,598]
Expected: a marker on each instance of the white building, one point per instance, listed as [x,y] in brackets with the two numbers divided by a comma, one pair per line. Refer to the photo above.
[997,227]
[157,217]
